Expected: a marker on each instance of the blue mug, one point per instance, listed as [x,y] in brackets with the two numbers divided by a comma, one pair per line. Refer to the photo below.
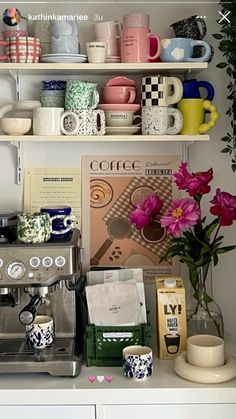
[62,222]
[191,89]
[182,50]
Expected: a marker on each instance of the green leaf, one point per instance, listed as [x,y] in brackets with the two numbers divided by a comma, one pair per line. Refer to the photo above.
[225,139]
[221,65]
[225,249]
[215,259]
[225,150]
[202,296]
[209,230]
[217,36]
[233,167]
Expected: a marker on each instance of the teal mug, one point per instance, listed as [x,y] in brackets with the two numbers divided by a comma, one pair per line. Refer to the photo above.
[81,95]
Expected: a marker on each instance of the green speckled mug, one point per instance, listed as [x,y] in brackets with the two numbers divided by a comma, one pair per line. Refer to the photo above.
[33,227]
[81,95]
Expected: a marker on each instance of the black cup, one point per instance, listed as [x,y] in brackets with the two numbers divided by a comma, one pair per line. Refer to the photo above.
[172,343]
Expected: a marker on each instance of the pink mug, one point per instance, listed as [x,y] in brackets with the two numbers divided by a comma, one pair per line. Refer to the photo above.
[135,45]
[119,94]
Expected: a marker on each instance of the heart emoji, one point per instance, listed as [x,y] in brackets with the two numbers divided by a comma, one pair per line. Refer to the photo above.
[100,378]
[109,378]
[91,378]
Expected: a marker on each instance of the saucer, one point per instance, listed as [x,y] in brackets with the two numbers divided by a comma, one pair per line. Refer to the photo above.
[123,130]
[211,375]
[63,58]
[133,107]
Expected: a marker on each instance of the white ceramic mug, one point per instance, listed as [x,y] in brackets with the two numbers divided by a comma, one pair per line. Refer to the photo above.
[40,333]
[96,52]
[83,122]
[122,119]
[161,120]
[46,121]
[137,362]
[205,351]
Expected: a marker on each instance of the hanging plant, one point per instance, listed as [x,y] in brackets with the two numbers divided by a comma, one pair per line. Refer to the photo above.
[227,45]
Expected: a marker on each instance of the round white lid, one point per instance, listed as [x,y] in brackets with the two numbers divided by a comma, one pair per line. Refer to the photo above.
[170,282]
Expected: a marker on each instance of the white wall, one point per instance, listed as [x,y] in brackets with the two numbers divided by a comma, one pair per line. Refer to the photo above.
[202,155]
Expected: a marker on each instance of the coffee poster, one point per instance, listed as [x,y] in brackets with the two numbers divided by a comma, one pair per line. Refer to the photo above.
[111,186]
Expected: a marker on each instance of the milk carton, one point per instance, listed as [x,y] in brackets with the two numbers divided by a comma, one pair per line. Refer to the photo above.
[171,317]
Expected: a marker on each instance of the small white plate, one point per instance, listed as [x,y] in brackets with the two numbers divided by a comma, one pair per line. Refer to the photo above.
[63,58]
[123,130]
[205,375]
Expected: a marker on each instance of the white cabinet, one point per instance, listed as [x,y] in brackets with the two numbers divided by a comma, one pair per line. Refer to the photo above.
[47,412]
[186,411]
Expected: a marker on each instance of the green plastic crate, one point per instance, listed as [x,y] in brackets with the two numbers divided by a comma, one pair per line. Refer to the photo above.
[102,350]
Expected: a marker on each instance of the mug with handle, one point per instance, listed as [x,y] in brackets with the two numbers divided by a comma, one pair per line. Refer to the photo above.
[83,122]
[193,111]
[135,45]
[190,28]
[182,49]
[157,120]
[61,220]
[161,91]
[191,89]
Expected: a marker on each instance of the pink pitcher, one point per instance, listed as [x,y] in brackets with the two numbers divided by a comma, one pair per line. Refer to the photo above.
[135,45]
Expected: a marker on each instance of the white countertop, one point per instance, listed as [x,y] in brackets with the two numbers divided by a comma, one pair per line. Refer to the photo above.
[163,387]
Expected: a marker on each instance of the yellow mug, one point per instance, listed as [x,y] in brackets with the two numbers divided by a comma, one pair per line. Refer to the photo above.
[193,111]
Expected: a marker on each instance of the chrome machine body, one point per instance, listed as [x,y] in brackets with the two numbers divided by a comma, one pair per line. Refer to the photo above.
[41,279]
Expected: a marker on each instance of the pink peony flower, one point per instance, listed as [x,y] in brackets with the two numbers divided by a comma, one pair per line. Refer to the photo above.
[145,210]
[182,214]
[224,206]
[193,183]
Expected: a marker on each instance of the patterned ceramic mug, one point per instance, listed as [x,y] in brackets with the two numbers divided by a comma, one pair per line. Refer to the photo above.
[40,333]
[137,362]
[84,122]
[161,120]
[62,222]
[81,95]
[33,227]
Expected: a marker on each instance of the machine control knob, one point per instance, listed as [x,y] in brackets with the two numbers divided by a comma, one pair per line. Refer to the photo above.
[60,261]
[1,262]
[16,270]
[47,261]
[34,262]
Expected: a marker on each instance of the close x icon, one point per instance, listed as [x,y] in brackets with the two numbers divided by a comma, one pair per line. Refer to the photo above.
[224,16]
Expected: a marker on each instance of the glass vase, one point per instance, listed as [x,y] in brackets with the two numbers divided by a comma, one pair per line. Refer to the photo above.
[204,316]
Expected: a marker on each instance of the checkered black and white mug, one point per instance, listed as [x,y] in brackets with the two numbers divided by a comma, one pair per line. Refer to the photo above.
[161,91]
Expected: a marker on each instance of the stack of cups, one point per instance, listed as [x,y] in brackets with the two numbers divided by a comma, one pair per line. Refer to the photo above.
[53,93]
[109,33]
[81,117]
[137,39]
[158,117]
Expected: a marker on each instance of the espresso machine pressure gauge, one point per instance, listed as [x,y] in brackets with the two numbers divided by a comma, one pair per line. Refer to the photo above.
[16,270]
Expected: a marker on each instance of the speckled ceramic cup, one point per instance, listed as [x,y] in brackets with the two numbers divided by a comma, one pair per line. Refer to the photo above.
[33,227]
[81,95]
[40,333]
[137,362]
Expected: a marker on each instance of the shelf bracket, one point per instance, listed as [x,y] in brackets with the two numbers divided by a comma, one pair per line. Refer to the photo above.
[15,74]
[19,161]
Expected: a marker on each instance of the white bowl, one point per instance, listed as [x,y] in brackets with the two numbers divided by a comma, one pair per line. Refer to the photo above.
[15,126]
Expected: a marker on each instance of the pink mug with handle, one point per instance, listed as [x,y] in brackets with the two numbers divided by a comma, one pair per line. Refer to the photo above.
[135,45]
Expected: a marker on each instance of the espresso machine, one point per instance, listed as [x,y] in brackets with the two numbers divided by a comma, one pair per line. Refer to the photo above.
[41,279]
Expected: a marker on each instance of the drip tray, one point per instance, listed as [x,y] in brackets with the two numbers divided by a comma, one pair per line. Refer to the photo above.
[58,359]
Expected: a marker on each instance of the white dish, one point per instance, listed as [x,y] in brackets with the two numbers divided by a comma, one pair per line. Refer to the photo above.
[63,58]
[122,130]
[211,375]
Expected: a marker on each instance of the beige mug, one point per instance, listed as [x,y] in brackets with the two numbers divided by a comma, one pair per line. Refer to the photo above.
[205,351]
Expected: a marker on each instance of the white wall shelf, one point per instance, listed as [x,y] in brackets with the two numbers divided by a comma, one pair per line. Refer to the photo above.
[105,138]
[102,69]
